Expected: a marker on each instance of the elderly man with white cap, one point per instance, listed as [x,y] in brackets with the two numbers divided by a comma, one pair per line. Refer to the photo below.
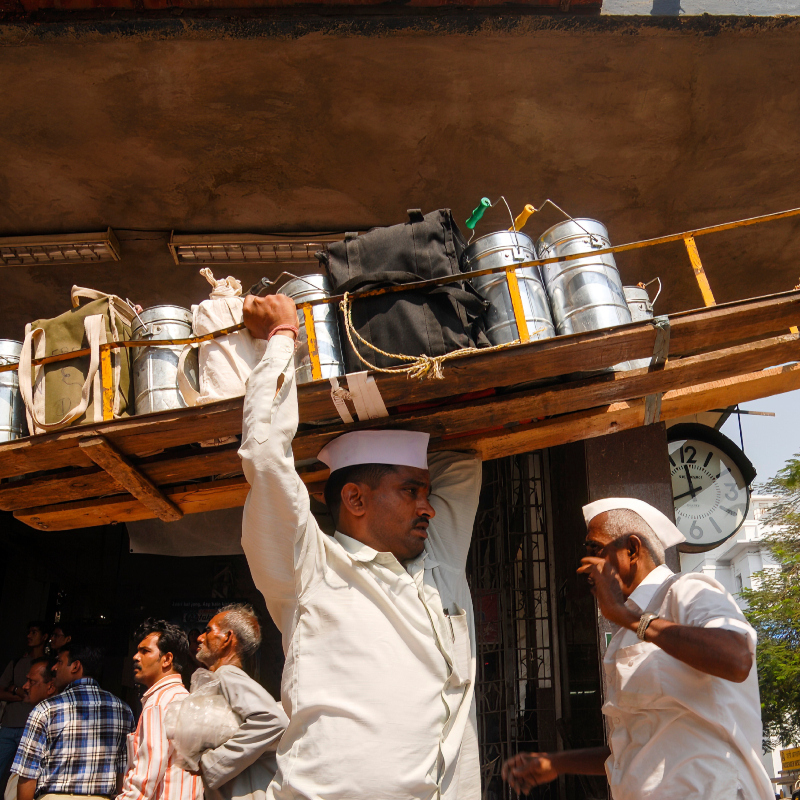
[377,619]
[682,702]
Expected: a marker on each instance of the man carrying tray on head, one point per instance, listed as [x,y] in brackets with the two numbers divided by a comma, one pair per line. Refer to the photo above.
[376,620]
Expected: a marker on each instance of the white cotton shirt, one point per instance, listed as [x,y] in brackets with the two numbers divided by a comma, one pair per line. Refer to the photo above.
[380,657]
[676,732]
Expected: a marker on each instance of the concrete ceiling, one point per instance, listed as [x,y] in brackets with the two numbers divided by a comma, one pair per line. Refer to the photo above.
[328,123]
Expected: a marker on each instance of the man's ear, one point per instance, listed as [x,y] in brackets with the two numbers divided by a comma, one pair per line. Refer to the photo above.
[167,661]
[634,547]
[75,667]
[354,499]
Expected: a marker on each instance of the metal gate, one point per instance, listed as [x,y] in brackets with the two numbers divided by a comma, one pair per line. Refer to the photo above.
[510,574]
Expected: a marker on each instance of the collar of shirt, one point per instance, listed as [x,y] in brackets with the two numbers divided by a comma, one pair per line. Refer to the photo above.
[359,551]
[82,682]
[166,681]
[642,595]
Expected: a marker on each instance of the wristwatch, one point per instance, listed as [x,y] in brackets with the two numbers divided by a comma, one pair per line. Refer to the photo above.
[644,622]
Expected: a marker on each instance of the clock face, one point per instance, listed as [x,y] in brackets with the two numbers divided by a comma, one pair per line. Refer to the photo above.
[710,494]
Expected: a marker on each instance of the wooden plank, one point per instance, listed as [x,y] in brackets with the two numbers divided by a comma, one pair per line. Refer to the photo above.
[83,483]
[461,418]
[622,416]
[586,424]
[502,410]
[192,499]
[124,473]
[137,436]
[691,331]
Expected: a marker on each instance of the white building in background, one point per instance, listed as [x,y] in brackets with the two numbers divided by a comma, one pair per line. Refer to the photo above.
[733,564]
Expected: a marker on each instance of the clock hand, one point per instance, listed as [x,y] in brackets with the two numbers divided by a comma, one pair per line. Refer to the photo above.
[696,490]
[692,490]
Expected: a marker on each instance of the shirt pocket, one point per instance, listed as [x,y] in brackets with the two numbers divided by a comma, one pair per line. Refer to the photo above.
[130,748]
[462,648]
[635,675]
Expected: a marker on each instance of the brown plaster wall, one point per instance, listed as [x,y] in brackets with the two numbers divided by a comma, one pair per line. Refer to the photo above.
[333,125]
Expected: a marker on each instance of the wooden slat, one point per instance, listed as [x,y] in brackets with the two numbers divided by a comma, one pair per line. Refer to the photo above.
[83,483]
[519,439]
[125,474]
[691,332]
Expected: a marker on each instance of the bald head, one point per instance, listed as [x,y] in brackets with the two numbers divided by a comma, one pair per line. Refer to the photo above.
[621,522]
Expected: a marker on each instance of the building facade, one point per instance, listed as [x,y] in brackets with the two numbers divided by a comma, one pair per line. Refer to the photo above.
[736,564]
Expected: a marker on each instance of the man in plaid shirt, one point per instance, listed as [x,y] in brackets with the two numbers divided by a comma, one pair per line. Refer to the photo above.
[75,742]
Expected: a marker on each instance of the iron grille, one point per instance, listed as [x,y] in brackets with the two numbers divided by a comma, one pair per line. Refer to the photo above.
[509,572]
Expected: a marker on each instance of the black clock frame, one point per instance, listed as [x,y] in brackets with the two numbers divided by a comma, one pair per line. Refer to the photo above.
[709,435]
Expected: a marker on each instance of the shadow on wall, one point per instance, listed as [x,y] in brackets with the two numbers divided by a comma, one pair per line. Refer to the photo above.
[666,8]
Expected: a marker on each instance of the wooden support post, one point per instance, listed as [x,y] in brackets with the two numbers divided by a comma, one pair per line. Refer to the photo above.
[118,467]
[699,272]
[311,337]
[516,304]
[107,382]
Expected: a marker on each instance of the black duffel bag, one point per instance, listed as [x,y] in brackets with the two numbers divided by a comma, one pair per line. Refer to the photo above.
[431,321]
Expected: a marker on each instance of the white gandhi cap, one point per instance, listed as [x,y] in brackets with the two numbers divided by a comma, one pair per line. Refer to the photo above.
[399,448]
[666,531]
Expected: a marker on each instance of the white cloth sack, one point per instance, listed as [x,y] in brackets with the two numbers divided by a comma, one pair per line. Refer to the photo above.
[202,721]
[226,362]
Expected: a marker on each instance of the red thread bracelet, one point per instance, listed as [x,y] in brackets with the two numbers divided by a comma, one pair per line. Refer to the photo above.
[293,328]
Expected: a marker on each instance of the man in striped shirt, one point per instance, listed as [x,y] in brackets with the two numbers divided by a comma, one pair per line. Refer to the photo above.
[161,658]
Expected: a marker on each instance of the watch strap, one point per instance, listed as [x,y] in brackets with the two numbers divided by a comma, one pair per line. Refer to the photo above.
[644,622]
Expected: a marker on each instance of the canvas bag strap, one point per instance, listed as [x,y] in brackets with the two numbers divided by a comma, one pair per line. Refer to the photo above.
[188,392]
[118,311]
[94,326]
[119,306]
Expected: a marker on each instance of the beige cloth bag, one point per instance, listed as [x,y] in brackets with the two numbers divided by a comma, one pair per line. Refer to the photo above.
[225,363]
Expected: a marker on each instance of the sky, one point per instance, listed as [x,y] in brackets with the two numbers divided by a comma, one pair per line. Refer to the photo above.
[768,441]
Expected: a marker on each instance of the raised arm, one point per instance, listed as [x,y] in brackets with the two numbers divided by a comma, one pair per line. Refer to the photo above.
[455,491]
[263,724]
[276,514]
[708,632]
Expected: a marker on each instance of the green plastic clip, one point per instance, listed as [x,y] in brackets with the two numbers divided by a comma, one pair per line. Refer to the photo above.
[476,215]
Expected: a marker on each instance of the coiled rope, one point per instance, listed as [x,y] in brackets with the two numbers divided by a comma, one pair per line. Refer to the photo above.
[422,366]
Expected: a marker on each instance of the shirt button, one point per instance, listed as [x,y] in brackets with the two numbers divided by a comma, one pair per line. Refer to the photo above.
[630,663]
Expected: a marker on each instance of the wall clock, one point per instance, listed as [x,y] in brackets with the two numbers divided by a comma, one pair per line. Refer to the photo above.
[711,479]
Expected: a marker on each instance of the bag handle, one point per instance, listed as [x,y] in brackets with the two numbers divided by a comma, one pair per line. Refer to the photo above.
[117,304]
[188,392]
[95,327]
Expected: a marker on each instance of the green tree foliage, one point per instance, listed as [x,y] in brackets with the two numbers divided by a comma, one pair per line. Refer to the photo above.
[774,611]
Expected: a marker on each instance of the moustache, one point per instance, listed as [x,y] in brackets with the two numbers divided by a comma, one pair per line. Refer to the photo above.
[420,521]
